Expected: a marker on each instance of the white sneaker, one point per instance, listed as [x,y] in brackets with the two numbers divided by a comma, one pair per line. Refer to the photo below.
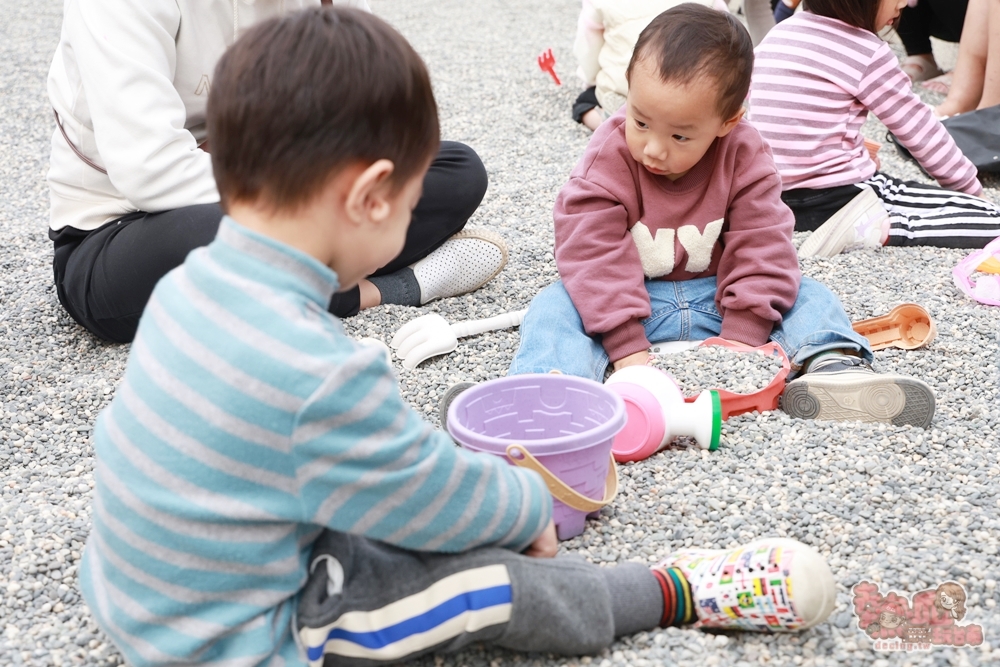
[859,224]
[466,262]
[772,584]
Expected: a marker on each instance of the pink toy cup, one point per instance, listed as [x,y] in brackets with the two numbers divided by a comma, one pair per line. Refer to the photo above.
[559,425]
[656,413]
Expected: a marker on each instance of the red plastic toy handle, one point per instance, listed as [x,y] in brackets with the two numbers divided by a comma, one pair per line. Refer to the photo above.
[761,400]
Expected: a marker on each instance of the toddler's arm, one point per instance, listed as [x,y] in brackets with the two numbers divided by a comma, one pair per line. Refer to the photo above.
[887,92]
[368,464]
[758,276]
[600,266]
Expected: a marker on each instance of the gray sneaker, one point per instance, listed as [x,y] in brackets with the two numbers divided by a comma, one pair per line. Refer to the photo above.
[842,387]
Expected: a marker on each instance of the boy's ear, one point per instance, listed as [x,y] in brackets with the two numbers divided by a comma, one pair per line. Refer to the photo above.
[368,194]
[728,126]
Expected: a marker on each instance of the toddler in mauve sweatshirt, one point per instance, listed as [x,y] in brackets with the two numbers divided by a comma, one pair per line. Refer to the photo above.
[671,227]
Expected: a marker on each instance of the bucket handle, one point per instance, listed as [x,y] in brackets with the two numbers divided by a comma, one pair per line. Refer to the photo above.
[569,496]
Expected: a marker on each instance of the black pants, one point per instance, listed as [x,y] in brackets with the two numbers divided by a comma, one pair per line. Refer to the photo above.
[919,213]
[585,101]
[104,277]
[931,18]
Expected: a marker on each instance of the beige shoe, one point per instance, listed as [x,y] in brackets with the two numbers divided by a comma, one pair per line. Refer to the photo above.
[466,262]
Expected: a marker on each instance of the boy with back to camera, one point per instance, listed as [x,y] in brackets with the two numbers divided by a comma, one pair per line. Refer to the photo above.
[251,442]
[672,227]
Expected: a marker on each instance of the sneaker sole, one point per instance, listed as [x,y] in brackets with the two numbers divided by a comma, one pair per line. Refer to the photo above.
[890,399]
[828,239]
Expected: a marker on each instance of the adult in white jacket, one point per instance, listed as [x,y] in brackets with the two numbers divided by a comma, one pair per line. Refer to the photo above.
[606,33]
[131,182]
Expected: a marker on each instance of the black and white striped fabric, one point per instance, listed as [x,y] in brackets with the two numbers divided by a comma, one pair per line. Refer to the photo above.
[922,214]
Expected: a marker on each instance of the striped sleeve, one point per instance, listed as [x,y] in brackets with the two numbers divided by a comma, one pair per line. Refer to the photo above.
[815,80]
[368,464]
[887,92]
[802,101]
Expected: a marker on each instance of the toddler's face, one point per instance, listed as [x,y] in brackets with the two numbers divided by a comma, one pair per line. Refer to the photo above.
[669,126]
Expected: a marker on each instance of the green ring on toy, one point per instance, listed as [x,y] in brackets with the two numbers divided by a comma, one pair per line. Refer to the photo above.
[716,421]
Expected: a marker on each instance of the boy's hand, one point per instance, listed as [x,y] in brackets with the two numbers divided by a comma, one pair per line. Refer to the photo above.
[634,359]
[545,545]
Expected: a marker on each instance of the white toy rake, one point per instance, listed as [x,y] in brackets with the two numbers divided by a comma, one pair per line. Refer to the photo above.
[431,335]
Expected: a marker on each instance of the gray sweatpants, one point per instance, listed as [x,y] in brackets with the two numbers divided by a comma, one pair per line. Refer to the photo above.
[368,603]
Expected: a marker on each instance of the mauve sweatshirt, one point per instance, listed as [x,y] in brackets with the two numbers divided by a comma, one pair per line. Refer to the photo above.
[616,225]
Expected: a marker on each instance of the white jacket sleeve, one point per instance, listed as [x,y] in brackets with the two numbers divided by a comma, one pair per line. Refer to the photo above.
[126,54]
[588,43]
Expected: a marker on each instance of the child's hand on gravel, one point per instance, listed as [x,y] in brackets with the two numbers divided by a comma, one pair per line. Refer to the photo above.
[545,545]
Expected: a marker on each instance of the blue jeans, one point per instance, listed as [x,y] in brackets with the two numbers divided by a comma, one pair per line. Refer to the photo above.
[552,335]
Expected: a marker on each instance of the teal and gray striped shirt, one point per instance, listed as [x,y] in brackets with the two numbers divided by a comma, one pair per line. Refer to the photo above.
[246,422]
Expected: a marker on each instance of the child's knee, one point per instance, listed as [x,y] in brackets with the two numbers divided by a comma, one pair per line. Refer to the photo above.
[553,298]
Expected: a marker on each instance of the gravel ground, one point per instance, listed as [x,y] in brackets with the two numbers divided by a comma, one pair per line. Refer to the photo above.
[713,367]
[905,507]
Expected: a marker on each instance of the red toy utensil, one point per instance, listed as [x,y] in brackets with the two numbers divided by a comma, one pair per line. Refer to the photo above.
[547,63]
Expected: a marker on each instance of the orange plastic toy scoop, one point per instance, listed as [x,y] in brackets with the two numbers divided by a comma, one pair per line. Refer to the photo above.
[907,326]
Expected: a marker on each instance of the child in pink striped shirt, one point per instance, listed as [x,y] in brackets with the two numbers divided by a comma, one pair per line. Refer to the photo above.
[816,77]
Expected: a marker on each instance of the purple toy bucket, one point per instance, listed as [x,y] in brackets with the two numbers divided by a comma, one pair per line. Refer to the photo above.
[558,425]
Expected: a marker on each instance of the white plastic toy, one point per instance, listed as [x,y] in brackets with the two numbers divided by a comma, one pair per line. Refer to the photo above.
[430,335]
[657,413]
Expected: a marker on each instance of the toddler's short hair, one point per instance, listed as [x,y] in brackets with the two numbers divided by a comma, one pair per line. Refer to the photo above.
[297,98]
[691,40]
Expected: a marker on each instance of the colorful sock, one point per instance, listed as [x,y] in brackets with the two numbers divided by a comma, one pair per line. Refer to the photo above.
[669,597]
[686,614]
[678,603]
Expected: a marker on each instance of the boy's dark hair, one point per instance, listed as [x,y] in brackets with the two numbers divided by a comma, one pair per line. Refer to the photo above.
[691,40]
[858,13]
[295,99]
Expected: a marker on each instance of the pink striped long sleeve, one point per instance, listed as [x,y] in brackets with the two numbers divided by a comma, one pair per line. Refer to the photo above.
[814,81]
